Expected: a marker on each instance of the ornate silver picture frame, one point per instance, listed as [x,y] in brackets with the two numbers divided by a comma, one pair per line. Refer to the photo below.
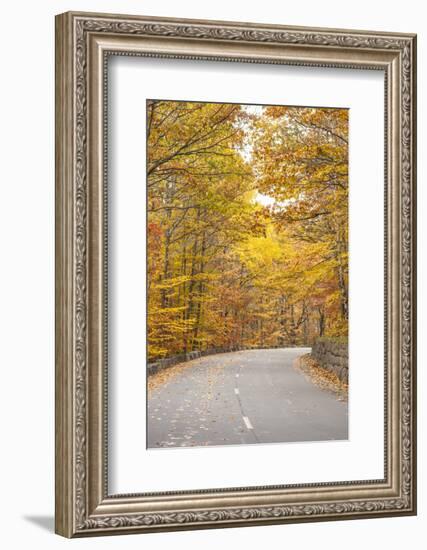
[84,505]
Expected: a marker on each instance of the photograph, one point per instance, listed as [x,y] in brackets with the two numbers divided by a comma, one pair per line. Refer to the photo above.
[235,271]
[247,273]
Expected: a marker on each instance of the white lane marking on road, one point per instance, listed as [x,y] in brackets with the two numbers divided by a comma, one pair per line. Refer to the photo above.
[248,423]
[236,391]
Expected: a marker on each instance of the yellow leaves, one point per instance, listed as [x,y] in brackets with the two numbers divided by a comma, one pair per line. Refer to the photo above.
[156,351]
[158,312]
[224,268]
[171,282]
[259,251]
[302,150]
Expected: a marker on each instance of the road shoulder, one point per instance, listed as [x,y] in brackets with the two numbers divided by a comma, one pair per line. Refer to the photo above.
[321,377]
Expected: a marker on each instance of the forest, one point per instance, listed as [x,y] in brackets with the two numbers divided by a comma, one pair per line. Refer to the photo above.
[247,226]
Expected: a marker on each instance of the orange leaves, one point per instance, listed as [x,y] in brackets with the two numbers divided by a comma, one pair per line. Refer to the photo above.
[226,267]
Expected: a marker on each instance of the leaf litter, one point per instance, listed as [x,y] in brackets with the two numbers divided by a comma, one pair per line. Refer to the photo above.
[322,377]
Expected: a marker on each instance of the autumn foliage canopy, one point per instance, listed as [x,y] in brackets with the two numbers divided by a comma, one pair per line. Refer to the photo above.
[247,226]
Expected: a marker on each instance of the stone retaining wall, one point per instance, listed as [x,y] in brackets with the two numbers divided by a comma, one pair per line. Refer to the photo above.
[332,354]
[167,362]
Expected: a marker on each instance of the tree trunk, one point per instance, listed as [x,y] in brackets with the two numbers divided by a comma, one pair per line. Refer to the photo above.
[321,321]
[200,290]
[193,272]
[341,269]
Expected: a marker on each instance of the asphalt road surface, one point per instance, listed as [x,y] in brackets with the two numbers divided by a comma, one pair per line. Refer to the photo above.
[244,397]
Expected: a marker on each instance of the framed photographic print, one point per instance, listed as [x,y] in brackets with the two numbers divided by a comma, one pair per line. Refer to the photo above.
[235,274]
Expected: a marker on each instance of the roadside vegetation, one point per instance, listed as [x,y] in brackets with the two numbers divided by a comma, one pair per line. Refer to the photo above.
[247,226]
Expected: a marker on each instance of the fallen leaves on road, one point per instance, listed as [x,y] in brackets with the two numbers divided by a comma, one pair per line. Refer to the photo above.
[322,377]
[165,375]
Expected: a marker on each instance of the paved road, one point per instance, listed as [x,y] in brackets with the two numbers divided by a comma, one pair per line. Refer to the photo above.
[243,397]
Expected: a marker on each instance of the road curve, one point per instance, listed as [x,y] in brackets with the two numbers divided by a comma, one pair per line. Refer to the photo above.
[243,397]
